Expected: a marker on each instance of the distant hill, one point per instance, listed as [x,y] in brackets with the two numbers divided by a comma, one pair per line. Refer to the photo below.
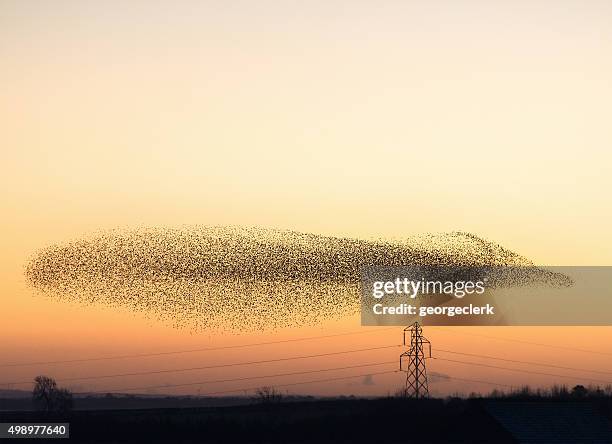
[15,394]
[20,401]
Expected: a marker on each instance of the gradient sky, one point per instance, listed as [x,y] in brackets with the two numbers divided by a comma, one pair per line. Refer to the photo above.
[366,119]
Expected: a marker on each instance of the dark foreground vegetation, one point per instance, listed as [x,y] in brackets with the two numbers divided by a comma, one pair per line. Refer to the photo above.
[326,421]
[382,420]
[559,414]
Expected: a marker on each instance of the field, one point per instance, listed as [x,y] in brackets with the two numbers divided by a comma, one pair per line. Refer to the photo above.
[314,421]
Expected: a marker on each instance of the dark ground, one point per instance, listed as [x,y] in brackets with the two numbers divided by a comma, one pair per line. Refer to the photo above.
[391,420]
[329,421]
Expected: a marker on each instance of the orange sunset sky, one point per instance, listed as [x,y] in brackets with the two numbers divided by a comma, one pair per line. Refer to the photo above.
[364,119]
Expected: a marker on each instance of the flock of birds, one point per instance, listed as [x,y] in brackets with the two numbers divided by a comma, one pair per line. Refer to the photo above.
[244,278]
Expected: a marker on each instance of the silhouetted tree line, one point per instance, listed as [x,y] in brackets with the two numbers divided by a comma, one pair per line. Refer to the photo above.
[554,392]
[50,398]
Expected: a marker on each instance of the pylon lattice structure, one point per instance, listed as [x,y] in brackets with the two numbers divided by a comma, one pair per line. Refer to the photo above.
[413,362]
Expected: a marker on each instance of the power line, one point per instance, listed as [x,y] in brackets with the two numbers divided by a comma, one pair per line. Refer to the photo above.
[256,344]
[525,362]
[300,383]
[93,377]
[195,350]
[142,355]
[519,370]
[177,370]
[479,381]
[237,379]
[520,341]
[279,375]
[187,369]
[341,378]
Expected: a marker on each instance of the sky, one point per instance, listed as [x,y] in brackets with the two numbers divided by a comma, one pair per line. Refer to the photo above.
[363,119]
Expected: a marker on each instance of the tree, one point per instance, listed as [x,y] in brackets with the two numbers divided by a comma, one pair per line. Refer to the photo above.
[579,391]
[268,395]
[47,396]
[62,400]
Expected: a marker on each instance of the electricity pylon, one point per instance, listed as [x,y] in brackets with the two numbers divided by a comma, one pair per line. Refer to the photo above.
[413,362]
